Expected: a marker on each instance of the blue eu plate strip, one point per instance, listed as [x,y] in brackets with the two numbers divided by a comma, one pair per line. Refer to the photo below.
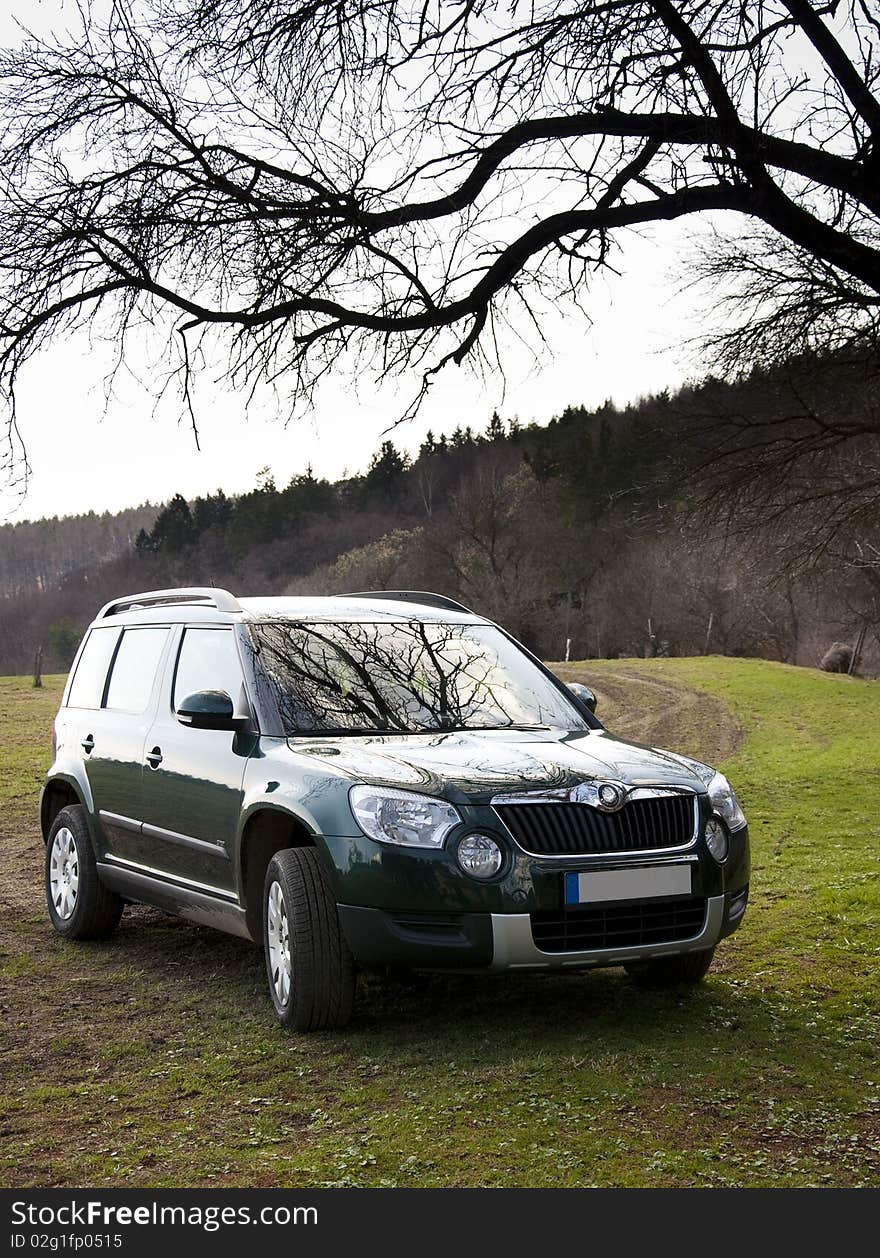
[572,889]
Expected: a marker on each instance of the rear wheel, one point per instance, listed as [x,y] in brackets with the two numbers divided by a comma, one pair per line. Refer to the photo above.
[80,906]
[308,963]
[687,967]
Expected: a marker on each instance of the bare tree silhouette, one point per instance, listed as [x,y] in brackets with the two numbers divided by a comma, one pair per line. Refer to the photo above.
[388,183]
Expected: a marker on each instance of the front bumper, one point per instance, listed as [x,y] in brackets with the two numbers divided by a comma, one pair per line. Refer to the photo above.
[514,947]
[421,880]
[504,941]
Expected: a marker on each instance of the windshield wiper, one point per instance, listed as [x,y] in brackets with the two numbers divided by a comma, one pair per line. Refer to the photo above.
[496,728]
[343,732]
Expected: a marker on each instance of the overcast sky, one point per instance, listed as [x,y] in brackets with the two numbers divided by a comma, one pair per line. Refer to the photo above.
[87,455]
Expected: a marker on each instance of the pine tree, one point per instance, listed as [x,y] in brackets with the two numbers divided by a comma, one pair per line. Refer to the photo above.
[174,528]
[384,478]
[496,428]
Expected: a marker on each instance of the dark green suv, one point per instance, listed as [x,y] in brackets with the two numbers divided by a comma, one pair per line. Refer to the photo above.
[374,780]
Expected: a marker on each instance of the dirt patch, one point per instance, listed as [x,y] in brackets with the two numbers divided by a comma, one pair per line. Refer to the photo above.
[656,711]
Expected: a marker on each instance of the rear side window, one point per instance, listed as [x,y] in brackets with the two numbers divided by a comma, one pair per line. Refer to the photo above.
[208,660]
[87,687]
[134,669]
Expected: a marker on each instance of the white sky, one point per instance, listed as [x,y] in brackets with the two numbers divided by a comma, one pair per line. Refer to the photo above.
[83,459]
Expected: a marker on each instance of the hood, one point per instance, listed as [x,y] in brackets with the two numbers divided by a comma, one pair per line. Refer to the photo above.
[472,766]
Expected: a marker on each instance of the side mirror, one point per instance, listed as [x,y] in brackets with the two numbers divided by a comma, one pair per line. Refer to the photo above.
[584,693]
[209,709]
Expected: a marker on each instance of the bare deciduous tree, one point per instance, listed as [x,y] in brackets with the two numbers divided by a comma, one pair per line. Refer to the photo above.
[396,180]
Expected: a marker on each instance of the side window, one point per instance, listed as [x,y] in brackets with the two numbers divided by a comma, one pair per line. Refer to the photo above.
[134,669]
[208,660]
[87,687]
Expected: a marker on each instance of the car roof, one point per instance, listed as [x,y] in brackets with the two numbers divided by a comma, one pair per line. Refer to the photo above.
[210,606]
[344,608]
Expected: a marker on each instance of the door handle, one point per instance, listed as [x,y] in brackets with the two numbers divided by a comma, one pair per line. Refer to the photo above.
[154,757]
[88,743]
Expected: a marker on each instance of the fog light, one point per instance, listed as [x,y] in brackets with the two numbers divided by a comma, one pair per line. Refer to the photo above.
[716,839]
[479,856]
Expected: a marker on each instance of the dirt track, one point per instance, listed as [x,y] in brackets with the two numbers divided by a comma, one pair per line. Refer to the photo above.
[658,713]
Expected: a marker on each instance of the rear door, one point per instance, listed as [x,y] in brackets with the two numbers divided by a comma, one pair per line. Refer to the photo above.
[192,789]
[113,735]
[81,726]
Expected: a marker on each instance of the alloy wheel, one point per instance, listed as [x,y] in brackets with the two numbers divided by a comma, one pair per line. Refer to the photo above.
[278,936]
[64,873]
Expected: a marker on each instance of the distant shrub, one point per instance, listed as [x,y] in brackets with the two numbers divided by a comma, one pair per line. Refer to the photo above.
[64,638]
[837,659]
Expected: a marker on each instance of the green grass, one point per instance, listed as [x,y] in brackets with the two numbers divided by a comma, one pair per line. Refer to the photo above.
[26,715]
[153,1059]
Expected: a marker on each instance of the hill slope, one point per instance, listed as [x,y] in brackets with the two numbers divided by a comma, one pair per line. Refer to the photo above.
[674,526]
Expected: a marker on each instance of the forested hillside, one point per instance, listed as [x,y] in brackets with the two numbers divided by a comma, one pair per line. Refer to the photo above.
[679,525]
[37,554]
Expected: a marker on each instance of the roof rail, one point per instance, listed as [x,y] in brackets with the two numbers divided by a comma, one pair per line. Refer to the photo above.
[221,599]
[413,596]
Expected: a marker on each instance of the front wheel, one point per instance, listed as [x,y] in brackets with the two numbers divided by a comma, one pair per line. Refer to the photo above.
[308,963]
[80,906]
[687,968]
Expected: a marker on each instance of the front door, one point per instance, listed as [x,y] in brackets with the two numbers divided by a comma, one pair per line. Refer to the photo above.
[192,784]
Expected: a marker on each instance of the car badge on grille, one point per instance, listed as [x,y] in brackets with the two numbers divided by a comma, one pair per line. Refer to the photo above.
[607,795]
[610,796]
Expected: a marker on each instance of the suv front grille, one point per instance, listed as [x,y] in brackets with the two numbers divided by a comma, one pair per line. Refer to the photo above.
[632,925]
[563,829]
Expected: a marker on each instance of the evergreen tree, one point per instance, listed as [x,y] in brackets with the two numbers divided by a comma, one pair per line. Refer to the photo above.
[174,528]
[385,476]
[215,511]
[64,637]
[496,428]
[308,495]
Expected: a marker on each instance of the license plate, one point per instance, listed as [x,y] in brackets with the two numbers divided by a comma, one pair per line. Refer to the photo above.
[598,886]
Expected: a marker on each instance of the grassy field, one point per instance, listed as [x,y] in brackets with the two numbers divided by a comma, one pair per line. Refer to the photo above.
[154,1059]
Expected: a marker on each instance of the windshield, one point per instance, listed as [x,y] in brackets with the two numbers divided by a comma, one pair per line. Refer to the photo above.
[405,677]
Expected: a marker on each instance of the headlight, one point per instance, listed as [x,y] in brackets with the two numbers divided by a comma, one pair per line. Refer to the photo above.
[480,856]
[402,817]
[725,802]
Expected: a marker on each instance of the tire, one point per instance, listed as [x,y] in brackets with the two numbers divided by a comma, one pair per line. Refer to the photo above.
[80,906]
[309,966]
[686,968]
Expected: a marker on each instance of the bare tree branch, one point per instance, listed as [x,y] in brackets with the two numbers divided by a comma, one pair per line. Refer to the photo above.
[378,180]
